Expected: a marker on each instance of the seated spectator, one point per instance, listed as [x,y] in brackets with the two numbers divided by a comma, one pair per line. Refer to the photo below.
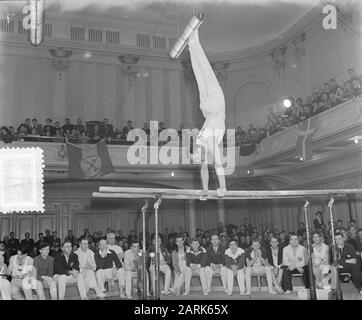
[243,242]
[133,265]
[294,262]
[71,237]
[324,104]
[275,259]
[74,135]
[28,126]
[347,261]
[215,262]
[164,261]
[109,267]
[352,237]
[29,243]
[40,240]
[301,229]
[48,238]
[347,92]
[315,99]
[257,263]
[22,132]
[336,92]
[5,291]
[56,240]
[239,135]
[13,244]
[126,129]
[67,126]
[318,221]
[355,82]
[326,88]
[83,137]
[87,267]
[20,269]
[339,224]
[37,126]
[58,137]
[44,272]
[320,260]
[359,243]
[57,126]
[97,136]
[235,265]
[5,135]
[66,134]
[262,134]
[196,261]
[111,241]
[49,127]
[66,270]
[4,252]
[79,126]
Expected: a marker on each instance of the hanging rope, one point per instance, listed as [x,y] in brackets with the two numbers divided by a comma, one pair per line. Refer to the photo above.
[141,63]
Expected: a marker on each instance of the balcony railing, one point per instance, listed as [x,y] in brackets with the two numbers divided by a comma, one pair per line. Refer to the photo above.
[344,117]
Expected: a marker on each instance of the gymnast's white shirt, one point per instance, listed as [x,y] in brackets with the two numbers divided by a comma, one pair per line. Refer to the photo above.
[298,259]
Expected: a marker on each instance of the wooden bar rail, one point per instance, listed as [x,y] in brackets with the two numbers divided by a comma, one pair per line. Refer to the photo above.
[152,193]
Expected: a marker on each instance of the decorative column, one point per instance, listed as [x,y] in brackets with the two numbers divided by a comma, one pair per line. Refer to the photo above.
[278,60]
[192,114]
[60,64]
[220,211]
[129,70]
[192,218]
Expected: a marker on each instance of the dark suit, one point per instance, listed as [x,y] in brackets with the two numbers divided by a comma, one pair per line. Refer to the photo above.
[29,243]
[13,245]
[198,257]
[217,257]
[346,253]
[62,267]
[269,255]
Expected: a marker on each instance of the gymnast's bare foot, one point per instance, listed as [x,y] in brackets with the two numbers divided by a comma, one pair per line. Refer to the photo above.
[221,192]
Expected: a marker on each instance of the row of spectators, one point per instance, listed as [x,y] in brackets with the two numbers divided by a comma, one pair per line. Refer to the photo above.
[242,234]
[280,118]
[226,250]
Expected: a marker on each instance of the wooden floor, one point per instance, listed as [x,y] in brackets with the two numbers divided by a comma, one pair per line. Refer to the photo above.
[349,293]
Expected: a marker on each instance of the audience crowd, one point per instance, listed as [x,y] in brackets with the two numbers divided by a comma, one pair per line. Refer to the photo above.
[228,251]
[278,119]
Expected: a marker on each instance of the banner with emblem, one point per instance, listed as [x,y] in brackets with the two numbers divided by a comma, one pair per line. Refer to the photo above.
[90,162]
[305,133]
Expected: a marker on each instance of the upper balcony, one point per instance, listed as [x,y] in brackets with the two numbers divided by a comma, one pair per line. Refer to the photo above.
[335,142]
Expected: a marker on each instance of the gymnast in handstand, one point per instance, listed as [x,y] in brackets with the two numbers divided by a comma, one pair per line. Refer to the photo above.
[212,105]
